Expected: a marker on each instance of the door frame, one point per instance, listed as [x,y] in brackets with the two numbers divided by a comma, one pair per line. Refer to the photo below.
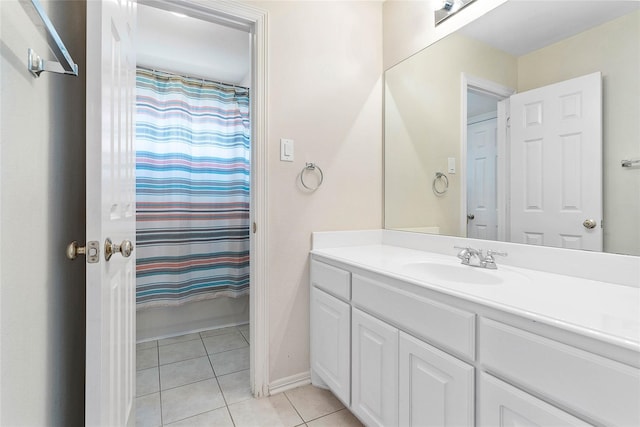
[500,92]
[253,20]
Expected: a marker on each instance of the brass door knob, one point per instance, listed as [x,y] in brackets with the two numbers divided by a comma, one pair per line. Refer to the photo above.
[91,250]
[74,249]
[125,248]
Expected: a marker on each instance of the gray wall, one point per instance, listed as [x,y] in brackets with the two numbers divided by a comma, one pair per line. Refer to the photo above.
[42,208]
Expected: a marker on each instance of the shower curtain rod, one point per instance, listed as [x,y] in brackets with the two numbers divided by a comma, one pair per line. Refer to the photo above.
[198,79]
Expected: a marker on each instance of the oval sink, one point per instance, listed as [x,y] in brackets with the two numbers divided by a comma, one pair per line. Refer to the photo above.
[457,273]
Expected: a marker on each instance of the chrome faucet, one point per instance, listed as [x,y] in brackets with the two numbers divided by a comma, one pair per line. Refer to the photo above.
[475,258]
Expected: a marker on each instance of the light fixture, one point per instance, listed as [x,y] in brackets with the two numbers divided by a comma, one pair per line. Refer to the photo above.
[448,8]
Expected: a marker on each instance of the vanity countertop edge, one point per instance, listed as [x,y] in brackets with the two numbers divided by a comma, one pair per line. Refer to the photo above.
[601,311]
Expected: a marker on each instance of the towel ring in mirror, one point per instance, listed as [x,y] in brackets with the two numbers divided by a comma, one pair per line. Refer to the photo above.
[440,180]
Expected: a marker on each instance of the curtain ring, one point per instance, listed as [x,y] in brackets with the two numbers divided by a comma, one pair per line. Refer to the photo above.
[311,167]
[440,177]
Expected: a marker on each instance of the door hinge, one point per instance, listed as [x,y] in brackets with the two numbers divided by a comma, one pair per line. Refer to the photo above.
[255,228]
[509,122]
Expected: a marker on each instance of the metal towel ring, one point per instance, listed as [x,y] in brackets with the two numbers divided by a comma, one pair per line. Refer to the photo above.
[440,177]
[311,167]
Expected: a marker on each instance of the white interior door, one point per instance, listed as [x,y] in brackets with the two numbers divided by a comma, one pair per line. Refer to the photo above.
[481,180]
[110,303]
[556,164]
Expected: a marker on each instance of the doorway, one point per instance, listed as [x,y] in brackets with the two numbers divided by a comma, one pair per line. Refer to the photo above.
[483,153]
[251,22]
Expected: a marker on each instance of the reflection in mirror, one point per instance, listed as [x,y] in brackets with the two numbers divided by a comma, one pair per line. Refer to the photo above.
[449,8]
[508,109]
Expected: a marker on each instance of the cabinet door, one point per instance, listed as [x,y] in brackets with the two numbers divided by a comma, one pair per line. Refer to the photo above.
[436,389]
[501,405]
[374,371]
[330,342]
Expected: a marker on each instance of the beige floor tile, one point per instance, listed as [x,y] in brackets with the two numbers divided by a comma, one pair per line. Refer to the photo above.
[226,342]
[236,387]
[181,351]
[230,361]
[181,338]
[148,411]
[342,418]
[147,344]
[147,381]
[312,402]
[219,331]
[190,400]
[244,330]
[218,418]
[146,358]
[274,411]
[185,372]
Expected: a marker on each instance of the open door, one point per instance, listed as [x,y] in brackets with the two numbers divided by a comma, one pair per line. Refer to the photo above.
[556,165]
[110,223]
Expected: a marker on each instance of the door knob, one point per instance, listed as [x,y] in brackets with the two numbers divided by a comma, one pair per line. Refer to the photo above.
[471,216]
[589,223]
[125,248]
[91,250]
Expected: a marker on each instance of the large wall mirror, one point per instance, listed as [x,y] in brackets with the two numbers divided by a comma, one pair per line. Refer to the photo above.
[515,127]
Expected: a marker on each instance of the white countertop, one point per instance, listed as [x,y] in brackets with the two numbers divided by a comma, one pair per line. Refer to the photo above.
[604,311]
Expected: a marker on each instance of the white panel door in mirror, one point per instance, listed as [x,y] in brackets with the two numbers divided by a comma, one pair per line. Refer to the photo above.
[556,164]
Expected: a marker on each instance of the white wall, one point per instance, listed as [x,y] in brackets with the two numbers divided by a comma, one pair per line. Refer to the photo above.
[42,178]
[325,65]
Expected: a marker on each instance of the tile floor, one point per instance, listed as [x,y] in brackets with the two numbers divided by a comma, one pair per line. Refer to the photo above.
[202,379]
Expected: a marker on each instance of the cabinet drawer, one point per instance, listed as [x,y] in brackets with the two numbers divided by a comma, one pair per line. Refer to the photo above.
[437,323]
[331,279]
[602,389]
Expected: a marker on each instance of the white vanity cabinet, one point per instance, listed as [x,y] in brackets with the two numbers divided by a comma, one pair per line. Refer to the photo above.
[501,405]
[401,353]
[374,370]
[593,386]
[436,389]
[331,329]
[395,378]
[399,380]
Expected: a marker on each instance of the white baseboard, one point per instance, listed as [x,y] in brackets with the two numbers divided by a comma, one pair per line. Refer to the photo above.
[287,383]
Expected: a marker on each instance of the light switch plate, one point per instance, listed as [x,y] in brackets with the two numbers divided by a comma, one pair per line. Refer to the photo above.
[286,150]
[451,165]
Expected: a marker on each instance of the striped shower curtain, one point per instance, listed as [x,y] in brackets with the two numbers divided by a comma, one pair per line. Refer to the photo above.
[192,189]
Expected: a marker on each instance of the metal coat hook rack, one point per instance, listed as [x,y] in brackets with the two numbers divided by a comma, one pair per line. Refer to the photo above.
[35,64]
